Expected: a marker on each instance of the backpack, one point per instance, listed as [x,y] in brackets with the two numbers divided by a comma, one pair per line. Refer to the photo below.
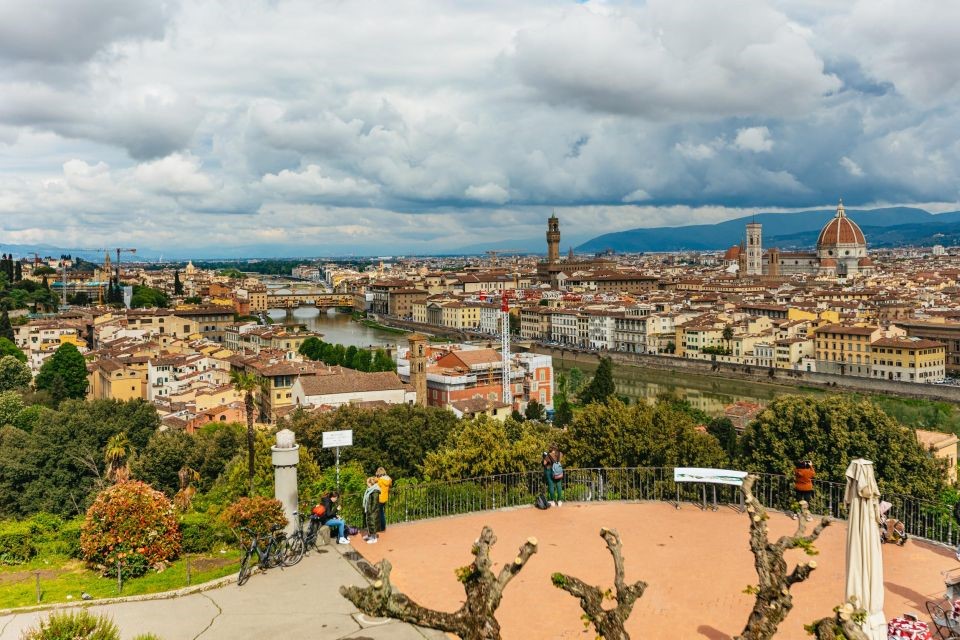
[319,510]
[557,471]
[541,502]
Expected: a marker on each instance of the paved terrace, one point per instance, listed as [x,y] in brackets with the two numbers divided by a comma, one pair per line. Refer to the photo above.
[697,565]
[298,602]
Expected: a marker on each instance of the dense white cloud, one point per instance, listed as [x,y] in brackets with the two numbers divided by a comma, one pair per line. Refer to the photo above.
[755,139]
[423,125]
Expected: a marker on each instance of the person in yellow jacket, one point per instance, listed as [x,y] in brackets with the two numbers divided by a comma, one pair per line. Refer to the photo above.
[384,482]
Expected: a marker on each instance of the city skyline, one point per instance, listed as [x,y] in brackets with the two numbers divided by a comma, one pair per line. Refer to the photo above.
[410,128]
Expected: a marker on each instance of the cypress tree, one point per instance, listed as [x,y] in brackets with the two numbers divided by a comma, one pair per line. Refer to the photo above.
[602,387]
[6,329]
[18,272]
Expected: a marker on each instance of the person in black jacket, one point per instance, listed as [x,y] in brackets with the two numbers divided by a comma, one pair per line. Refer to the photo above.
[331,518]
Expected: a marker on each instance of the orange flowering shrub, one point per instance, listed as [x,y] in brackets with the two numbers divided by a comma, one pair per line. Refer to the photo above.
[131,523]
[258,514]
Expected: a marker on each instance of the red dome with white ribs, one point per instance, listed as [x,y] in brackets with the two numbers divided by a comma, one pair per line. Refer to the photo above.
[840,230]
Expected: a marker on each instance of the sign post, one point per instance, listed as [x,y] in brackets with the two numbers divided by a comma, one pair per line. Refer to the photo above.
[335,440]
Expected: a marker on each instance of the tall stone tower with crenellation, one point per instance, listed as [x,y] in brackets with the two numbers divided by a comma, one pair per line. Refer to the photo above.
[418,366]
[553,240]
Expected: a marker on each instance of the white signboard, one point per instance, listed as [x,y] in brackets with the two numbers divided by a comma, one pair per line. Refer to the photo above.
[337,438]
[713,476]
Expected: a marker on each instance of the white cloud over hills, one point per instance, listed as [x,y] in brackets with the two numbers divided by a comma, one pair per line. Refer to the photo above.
[425,126]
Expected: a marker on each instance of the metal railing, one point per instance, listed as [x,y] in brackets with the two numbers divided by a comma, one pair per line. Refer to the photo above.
[421,501]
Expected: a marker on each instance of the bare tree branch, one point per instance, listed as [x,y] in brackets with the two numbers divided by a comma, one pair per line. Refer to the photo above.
[773,599]
[475,620]
[609,623]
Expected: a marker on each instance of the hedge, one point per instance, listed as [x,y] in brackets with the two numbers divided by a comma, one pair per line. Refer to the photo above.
[16,543]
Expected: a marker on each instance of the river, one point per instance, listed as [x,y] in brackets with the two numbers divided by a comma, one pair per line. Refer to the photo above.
[337,328]
[708,393]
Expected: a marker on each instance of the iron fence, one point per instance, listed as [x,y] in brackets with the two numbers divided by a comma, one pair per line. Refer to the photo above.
[424,500]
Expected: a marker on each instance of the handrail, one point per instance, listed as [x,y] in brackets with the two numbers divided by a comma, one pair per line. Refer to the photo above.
[433,499]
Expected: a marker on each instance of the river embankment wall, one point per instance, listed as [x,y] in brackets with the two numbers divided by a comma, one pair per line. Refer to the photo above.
[731,371]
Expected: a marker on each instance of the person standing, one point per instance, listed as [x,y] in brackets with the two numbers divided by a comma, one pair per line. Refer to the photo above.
[803,475]
[553,474]
[371,501]
[384,482]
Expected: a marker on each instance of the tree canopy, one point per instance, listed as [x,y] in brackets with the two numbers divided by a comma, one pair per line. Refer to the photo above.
[602,387]
[64,374]
[148,297]
[14,374]
[396,438]
[831,432]
[613,434]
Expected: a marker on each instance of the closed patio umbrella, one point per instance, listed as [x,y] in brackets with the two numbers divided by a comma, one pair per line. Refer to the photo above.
[864,559]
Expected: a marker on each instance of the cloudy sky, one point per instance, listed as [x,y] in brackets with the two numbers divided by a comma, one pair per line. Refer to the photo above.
[401,126]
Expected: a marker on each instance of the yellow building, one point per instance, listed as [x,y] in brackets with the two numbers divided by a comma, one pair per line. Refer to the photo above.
[122,380]
[942,446]
[908,359]
[790,351]
[845,349]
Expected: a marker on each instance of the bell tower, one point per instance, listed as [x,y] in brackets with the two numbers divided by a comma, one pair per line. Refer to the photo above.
[418,366]
[553,240]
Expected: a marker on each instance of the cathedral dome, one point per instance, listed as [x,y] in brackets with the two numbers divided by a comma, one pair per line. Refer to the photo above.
[732,254]
[841,230]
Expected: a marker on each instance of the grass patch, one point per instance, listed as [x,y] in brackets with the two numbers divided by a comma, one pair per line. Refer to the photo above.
[61,577]
[382,327]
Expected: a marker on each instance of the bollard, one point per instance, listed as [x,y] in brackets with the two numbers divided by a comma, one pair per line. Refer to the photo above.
[37,574]
[119,579]
[188,572]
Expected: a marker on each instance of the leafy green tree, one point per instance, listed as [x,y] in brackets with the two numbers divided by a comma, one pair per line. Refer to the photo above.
[148,297]
[350,357]
[247,384]
[396,438]
[726,434]
[383,362]
[64,374]
[833,431]
[613,434]
[214,446]
[165,454]
[6,329]
[14,374]
[575,381]
[602,387]
[11,404]
[363,361]
[234,482]
[58,465]
[562,411]
[535,411]
[311,348]
[481,447]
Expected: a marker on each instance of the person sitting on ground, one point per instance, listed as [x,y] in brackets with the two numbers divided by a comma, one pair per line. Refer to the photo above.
[371,507]
[328,516]
[384,482]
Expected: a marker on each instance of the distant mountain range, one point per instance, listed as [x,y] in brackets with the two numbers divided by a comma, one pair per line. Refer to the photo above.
[888,227]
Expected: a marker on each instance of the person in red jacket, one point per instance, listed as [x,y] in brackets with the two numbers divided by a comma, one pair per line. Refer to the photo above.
[803,476]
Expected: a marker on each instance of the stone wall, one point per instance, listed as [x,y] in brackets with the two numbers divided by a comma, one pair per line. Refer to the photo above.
[944,393]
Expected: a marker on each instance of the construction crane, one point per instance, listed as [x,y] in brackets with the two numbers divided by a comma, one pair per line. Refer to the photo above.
[119,251]
[505,348]
[493,253]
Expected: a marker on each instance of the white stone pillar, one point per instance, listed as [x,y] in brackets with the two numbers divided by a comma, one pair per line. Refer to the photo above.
[286,456]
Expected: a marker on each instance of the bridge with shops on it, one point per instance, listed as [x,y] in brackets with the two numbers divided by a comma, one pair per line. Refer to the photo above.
[304,297]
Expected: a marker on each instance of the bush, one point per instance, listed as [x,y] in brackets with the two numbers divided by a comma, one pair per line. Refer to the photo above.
[132,524]
[258,514]
[74,625]
[67,540]
[201,532]
[16,543]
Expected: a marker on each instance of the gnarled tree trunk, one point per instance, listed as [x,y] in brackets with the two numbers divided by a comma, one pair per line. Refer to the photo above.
[842,626]
[475,620]
[609,623]
[773,599]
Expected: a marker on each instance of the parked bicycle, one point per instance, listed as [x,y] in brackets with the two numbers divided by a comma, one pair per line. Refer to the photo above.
[266,551]
[303,540]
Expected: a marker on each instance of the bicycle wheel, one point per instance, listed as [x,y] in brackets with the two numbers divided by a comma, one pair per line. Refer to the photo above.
[278,552]
[244,574]
[295,551]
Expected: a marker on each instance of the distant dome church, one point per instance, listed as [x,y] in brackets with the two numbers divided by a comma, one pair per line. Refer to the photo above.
[841,251]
